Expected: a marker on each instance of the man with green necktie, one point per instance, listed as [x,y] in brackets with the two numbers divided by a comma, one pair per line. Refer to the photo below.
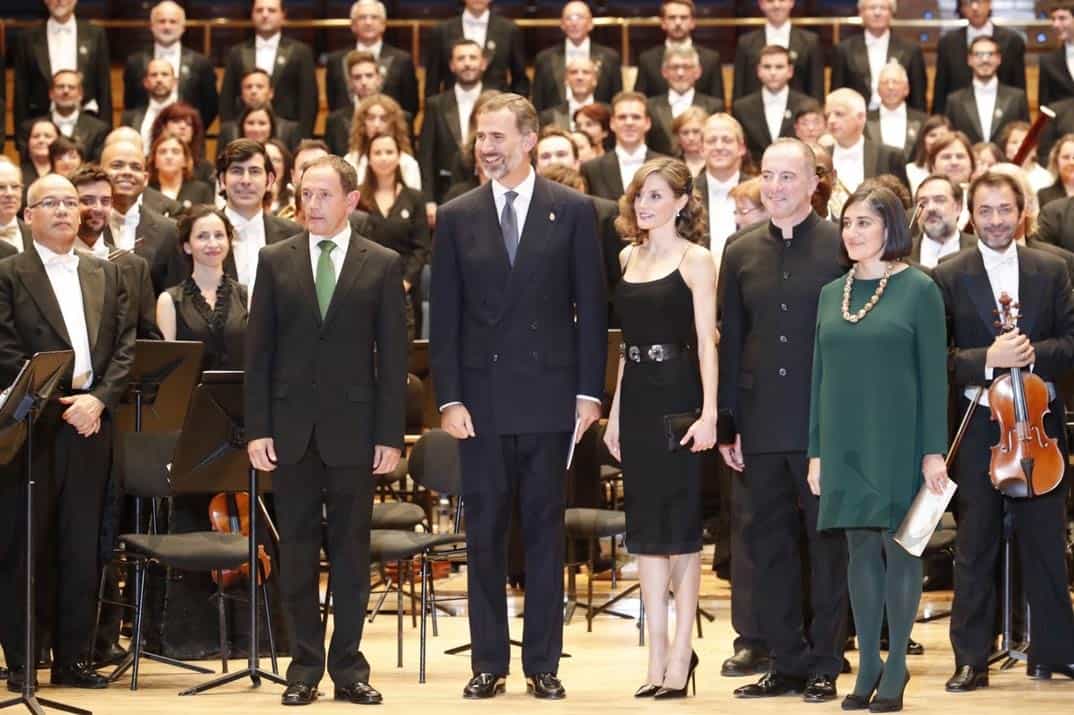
[325,396]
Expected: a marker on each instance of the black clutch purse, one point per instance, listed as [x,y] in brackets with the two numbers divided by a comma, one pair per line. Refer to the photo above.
[676,426]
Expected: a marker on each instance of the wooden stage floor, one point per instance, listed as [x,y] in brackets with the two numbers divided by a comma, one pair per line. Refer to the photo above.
[605,668]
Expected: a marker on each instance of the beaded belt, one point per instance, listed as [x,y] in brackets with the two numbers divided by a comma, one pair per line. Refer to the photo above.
[653,353]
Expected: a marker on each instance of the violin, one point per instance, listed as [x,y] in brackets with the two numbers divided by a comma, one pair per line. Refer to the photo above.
[229,513]
[1025,462]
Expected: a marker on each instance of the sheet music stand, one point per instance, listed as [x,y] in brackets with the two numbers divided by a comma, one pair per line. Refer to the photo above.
[211,456]
[23,403]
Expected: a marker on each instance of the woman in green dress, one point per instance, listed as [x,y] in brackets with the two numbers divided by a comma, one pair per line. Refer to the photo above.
[878,427]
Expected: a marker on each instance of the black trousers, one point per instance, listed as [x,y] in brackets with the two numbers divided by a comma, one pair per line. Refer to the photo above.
[1039,525]
[347,496]
[70,472]
[745,616]
[778,509]
[494,467]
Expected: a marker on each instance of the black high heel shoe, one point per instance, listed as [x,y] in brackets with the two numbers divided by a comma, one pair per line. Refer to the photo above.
[669,693]
[646,691]
[861,702]
[889,705]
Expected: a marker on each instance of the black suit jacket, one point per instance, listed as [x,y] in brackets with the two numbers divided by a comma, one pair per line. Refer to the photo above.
[90,132]
[1061,253]
[158,244]
[197,82]
[953,73]
[881,159]
[1048,194]
[341,377]
[701,191]
[7,250]
[914,121]
[193,191]
[287,131]
[1054,81]
[550,75]
[161,204]
[660,137]
[504,48]
[1011,106]
[602,175]
[400,81]
[337,130]
[651,82]
[610,241]
[440,143]
[1055,225]
[141,298]
[294,82]
[276,230]
[405,230]
[3,97]
[33,71]
[557,116]
[965,240]
[806,56]
[749,111]
[1056,128]
[516,345]
[850,68]
[31,321]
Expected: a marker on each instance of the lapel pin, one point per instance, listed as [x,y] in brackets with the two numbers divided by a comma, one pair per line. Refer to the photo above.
[281,61]
[551,215]
[794,56]
[405,213]
[999,113]
[83,50]
[490,45]
[911,132]
[786,114]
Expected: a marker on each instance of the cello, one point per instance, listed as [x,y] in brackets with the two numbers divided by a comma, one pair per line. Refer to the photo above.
[1025,462]
[229,513]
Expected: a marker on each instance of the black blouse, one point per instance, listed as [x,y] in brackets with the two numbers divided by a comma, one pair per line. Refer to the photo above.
[222,328]
[404,229]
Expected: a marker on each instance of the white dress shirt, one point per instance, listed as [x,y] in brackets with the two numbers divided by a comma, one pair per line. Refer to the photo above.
[721,211]
[984,94]
[629,163]
[877,50]
[62,44]
[932,251]
[1070,58]
[265,52]
[573,105]
[1002,270]
[66,125]
[849,164]
[778,35]
[15,238]
[249,240]
[893,126]
[125,225]
[475,28]
[62,271]
[573,51]
[972,33]
[99,248]
[775,104]
[152,111]
[465,98]
[173,55]
[373,49]
[338,254]
[680,102]
[408,167]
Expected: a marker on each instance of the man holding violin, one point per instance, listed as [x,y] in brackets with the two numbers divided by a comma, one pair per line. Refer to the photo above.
[972,282]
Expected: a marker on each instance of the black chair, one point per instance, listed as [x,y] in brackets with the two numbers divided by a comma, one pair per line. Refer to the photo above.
[592,525]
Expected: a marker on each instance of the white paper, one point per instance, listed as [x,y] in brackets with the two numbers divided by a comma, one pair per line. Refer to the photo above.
[574,441]
[925,513]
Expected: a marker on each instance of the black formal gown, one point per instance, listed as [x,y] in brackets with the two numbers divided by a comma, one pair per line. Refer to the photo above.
[222,327]
[662,488]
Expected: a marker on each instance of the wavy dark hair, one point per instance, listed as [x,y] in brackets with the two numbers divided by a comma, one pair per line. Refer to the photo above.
[181,112]
[691,222]
[921,152]
[367,189]
[194,214]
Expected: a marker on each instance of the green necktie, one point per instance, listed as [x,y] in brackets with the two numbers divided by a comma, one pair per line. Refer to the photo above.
[326,275]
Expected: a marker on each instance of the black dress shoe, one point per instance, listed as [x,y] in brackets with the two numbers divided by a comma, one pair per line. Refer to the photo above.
[745,661]
[772,685]
[914,648]
[78,675]
[359,693]
[485,685]
[15,679]
[1040,671]
[646,691]
[111,655]
[299,694]
[966,679]
[889,705]
[819,689]
[545,686]
[3,673]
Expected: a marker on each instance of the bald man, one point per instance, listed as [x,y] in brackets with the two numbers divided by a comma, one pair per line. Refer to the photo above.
[550,68]
[159,84]
[857,157]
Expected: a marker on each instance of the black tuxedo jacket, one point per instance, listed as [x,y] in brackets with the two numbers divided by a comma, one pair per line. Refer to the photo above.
[1054,81]
[660,137]
[1051,193]
[651,82]
[503,46]
[396,69]
[1047,313]
[1011,106]
[197,82]
[7,250]
[806,56]
[191,192]
[287,131]
[953,73]
[276,230]
[881,159]
[610,241]
[550,75]
[965,240]
[557,116]
[158,245]
[3,97]
[161,204]
[90,132]
[341,377]
[337,130]
[294,82]
[749,111]
[33,71]
[1061,253]
[441,141]
[850,68]
[914,121]
[602,175]
[516,345]
[701,190]
[141,298]
[1055,225]
[1056,128]
[31,321]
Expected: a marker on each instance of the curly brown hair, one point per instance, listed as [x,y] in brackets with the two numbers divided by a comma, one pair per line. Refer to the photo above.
[397,125]
[691,222]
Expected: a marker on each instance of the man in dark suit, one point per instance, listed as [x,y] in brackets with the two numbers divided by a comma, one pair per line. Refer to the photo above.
[550,68]
[971,283]
[195,73]
[894,123]
[858,60]
[65,94]
[499,39]
[724,150]
[769,282]
[518,363]
[677,22]
[54,299]
[608,175]
[286,131]
[159,86]
[983,109]
[289,64]
[363,80]
[681,70]
[855,156]
[939,203]
[1055,80]
[1055,129]
[395,66]
[952,71]
[61,43]
[775,101]
[325,389]
[1055,225]
[581,76]
[13,234]
[803,48]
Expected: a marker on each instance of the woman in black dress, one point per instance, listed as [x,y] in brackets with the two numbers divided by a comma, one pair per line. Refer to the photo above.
[171,171]
[664,410]
[209,306]
[182,120]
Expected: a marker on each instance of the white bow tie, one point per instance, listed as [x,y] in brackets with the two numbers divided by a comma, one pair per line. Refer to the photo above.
[68,262]
[871,40]
[473,23]
[61,30]
[264,44]
[1007,259]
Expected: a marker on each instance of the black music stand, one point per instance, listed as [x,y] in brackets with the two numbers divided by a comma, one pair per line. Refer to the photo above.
[209,457]
[1009,652]
[162,377]
[22,404]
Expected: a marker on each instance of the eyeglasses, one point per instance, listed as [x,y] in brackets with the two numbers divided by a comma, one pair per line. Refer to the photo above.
[52,204]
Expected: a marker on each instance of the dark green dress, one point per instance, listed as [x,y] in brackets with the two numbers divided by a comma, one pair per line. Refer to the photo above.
[879,399]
